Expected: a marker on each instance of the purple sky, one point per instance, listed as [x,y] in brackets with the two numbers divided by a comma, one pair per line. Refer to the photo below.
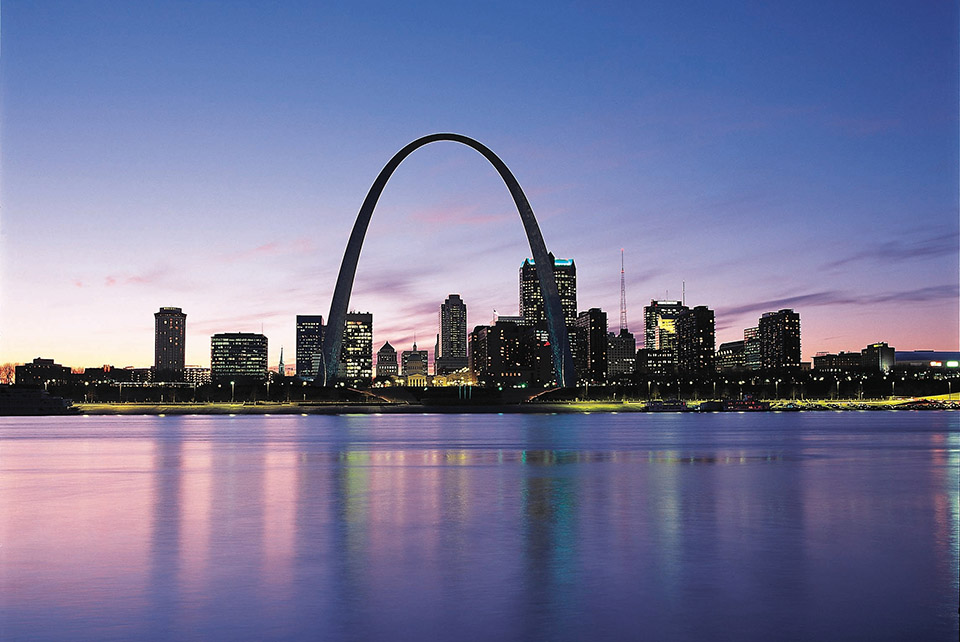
[213,156]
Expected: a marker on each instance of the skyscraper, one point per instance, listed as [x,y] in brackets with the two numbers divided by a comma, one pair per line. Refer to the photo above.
[531,300]
[780,339]
[356,354]
[659,324]
[696,340]
[387,361]
[591,356]
[238,356]
[751,349]
[451,350]
[309,343]
[169,344]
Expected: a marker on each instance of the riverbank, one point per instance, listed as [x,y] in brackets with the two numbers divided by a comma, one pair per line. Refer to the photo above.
[300,408]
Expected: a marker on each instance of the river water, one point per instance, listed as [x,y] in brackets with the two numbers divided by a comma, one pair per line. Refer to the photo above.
[786,526]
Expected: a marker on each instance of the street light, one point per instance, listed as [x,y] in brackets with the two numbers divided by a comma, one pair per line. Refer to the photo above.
[231,391]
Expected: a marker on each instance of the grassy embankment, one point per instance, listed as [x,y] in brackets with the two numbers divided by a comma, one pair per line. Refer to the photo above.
[265,408]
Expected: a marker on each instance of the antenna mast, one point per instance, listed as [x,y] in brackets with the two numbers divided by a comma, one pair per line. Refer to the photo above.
[623,297]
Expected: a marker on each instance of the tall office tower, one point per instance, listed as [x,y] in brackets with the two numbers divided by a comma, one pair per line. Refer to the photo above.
[659,324]
[751,349]
[531,301]
[413,362]
[356,352]
[386,362]
[730,356]
[878,357]
[238,356]
[309,344]
[169,344]
[780,339]
[621,356]
[451,350]
[696,341]
[591,360]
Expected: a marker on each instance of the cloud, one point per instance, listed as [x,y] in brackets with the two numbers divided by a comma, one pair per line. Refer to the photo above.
[927,247]
[835,297]
[297,246]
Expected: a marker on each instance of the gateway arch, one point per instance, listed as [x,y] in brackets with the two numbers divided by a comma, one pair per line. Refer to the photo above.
[556,328]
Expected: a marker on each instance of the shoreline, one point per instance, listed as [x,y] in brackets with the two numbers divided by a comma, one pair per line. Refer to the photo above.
[575,407]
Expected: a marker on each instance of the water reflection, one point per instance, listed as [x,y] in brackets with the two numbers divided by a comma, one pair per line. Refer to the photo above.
[465,528]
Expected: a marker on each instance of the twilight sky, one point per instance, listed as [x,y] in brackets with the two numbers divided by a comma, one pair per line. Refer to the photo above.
[213,156]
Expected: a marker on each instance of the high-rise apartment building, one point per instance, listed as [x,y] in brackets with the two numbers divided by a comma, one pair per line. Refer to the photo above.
[591,358]
[451,351]
[531,300]
[780,339]
[238,356]
[356,352]
[387,362]
[309,344]
[696,340]
[660,324]
[169,344]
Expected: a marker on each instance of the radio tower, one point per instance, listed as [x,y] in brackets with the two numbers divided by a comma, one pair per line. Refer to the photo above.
[623,298]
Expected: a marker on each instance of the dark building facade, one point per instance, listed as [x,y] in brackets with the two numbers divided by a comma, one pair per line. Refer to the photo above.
[309,344]
[651,361]
[878,357]
[509,354]
[238,356]
[169,344]
[591,353]
[450,354]
[840,362]
[41,372]
[621,356]
[387,362]
[531,300]
[730,356]
[696,340]
[780,340]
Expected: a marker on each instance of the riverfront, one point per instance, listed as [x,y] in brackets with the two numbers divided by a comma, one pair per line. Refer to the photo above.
[938,402]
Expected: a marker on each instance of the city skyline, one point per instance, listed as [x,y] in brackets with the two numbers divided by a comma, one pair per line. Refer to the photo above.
[223,177]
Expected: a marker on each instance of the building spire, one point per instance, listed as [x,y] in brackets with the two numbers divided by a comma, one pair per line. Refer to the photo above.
[280,367]
[623,297]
